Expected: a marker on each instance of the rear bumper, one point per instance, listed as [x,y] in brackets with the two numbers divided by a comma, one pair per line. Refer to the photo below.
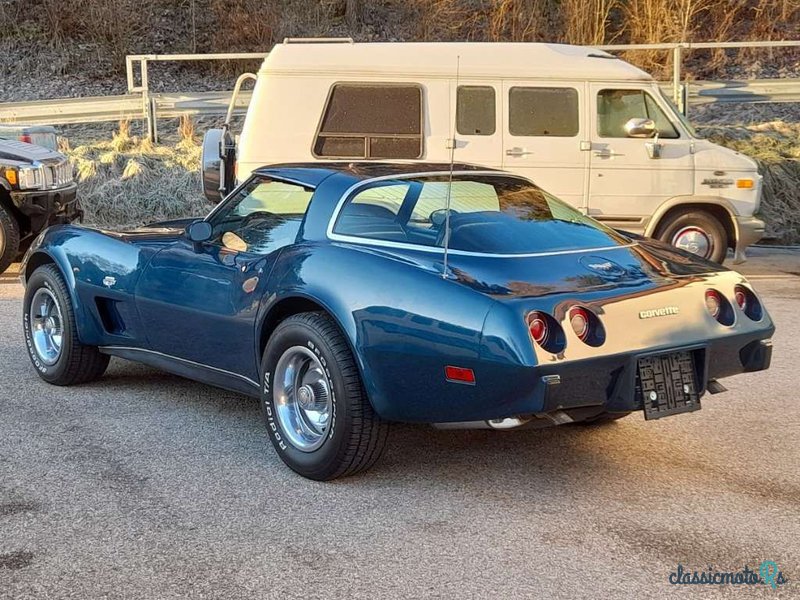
[584,388]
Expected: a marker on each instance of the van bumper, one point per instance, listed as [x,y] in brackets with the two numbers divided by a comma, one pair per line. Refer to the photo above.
[749,230]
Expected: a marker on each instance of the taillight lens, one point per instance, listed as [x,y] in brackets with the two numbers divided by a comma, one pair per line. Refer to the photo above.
[741,298]
[714,303]
[579,320]
[747,301]
[537,325]
[719,308]
[587,326]
[545,331]
[25,138]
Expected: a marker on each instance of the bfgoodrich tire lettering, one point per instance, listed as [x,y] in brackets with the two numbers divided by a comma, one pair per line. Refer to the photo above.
[76,363]
[354,436]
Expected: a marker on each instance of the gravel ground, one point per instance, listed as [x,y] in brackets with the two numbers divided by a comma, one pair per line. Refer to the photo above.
[146,485]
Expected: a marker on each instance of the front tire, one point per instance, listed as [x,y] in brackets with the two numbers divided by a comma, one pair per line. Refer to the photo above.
[51,334]
[696,231]
[9,238]
[317,414]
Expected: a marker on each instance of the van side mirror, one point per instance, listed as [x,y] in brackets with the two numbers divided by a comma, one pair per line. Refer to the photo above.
[199,232]
[640,128]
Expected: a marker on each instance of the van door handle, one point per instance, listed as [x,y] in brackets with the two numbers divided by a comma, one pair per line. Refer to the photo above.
[606,153]
[517,152]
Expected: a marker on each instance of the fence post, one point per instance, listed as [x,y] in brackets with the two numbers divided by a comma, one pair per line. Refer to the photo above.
[677,96]
[148,107]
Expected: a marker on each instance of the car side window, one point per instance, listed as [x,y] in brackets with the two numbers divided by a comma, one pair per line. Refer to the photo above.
[617,107]
[263,216]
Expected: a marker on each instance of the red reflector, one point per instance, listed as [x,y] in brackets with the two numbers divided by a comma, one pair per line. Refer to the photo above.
[25,138]
[459,374]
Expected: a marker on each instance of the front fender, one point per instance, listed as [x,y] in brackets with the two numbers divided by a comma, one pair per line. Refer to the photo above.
[677,201]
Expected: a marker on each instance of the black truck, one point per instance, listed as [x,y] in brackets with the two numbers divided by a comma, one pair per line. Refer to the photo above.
[37,189]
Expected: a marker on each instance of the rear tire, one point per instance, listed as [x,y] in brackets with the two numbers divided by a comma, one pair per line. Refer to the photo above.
[695,231]
[317,413]
[9,238]
[51,334]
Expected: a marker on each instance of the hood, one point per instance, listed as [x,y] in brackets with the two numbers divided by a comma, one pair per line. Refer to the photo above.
[163,231]
[12,151]
[711,157]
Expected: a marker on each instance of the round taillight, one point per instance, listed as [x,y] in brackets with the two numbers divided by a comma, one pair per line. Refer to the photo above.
[579,320]
[713,303]
[537,325]
[741,298]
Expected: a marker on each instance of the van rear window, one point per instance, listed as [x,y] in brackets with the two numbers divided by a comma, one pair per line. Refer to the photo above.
[371,121]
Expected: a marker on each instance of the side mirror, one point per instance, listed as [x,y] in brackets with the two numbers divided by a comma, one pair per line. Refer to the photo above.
[199,232]
[640,128]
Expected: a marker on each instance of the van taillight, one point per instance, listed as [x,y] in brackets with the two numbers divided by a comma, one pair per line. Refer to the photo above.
[25,138]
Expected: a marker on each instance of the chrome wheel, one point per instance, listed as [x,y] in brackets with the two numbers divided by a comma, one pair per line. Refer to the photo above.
[695,240]
[302,398]
[47,326]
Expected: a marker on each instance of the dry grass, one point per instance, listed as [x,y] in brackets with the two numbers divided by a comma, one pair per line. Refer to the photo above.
[776,148]
[126,181]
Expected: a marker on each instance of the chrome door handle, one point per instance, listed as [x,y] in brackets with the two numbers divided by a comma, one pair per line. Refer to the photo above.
[517,152]
[607,153]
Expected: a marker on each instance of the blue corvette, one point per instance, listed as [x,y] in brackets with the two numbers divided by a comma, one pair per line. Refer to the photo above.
[349,295]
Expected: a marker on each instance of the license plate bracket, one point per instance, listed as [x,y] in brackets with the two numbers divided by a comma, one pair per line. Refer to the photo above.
[667,384]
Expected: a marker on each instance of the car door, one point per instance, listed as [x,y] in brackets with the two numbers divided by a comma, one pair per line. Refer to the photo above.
[543,129]
[626,184]
[198,302]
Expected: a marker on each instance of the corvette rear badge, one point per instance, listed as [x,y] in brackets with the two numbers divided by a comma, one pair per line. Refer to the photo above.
[659,312]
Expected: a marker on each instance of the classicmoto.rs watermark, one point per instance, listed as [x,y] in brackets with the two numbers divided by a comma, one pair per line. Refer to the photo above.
[767,573]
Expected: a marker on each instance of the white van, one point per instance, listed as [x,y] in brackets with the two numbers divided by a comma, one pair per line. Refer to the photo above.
[583,124]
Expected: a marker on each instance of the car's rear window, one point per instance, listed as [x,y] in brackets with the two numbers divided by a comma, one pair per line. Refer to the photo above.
[491,214]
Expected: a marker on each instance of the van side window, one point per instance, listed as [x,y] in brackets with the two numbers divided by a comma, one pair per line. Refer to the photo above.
[540,111]
[364,120]
[475,110]
[617,107]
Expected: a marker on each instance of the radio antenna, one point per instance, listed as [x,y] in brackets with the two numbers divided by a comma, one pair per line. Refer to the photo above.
[450,179]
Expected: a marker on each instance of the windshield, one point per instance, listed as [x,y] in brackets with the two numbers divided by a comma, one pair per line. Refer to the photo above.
[676,113]
[489,214]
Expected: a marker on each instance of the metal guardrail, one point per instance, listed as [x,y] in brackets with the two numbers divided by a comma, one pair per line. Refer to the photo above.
[141,103]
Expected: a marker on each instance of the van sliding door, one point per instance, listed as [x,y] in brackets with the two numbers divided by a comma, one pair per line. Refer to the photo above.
[543,125]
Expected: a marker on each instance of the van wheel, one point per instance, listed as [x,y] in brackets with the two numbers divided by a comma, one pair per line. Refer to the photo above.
[51,334]
[317,413]
[695,231]
[9,239]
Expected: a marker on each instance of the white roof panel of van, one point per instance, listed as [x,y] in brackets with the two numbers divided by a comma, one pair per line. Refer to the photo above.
[438,59]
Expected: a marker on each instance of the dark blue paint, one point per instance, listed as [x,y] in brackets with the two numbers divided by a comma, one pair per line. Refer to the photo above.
[205,307]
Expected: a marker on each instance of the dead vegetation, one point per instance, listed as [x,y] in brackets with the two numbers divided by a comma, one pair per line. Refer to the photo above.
[776,148]
[128,181]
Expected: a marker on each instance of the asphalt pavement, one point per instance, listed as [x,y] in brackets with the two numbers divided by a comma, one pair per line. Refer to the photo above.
[146,485]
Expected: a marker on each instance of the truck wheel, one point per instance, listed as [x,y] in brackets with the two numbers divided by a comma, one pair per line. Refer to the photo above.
[9,239]
[317,413]
[51,334]
[695,231]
